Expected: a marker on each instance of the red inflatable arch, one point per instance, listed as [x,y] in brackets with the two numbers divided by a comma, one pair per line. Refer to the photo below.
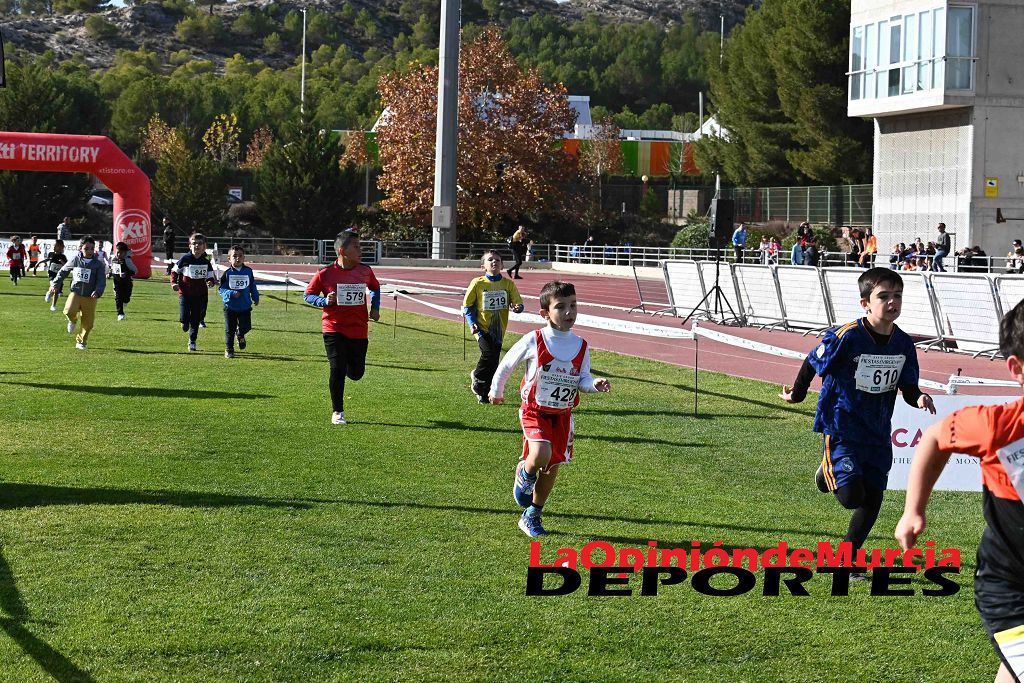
[99,156]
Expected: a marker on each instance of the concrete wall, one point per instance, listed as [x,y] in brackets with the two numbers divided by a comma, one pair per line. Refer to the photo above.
[933,166]
[922,176]
[998,125]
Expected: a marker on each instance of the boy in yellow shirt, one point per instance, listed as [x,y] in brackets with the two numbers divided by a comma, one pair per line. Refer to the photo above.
[486,306]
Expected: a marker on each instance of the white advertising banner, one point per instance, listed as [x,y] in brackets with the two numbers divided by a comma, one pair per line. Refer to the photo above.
[963,473]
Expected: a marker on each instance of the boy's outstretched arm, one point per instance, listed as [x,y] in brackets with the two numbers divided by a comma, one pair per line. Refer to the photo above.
[929,461]
[913,395]
[798,392]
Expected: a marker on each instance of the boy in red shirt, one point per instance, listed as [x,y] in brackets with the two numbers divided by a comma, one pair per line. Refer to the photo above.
[995,435]
[557,369]
[340,289]
[16,258]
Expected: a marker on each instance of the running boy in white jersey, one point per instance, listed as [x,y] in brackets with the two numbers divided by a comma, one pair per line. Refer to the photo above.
[557,369]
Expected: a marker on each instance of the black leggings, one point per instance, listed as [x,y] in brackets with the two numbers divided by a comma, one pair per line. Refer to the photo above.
[519,254]
[348,359]
[122,293]
[490,354]
[865,501]
[191,312]
[236,324]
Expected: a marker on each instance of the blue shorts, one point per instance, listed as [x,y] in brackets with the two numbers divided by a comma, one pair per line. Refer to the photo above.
[842,462]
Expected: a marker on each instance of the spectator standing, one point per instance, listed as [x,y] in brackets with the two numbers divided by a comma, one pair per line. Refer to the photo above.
[168,244]
[942,246]
[773,251]
[739,242]
[1015,261]
[63,231]
[762,250]
[518,243]
[804,234]
[867,257]
[857,246]
[796,255]
[812,253]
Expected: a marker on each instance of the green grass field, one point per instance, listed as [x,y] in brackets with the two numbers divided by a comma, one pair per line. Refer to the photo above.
[167,516]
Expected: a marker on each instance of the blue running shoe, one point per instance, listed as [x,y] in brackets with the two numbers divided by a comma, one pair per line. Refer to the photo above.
[531,525]
[522,490]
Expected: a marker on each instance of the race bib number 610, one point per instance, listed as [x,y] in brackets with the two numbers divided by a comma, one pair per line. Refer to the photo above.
[878,374]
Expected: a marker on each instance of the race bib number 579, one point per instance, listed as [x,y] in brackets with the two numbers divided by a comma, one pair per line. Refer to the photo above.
[351,294]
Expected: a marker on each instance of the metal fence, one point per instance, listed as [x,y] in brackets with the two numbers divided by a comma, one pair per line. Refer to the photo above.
[628,255]
[848,205]
[953,311]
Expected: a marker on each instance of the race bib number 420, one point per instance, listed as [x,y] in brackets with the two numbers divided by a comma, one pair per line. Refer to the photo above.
[878,374]
[495,301]
[351,295]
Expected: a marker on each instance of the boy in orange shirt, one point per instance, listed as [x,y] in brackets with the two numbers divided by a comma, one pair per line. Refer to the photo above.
[995,435]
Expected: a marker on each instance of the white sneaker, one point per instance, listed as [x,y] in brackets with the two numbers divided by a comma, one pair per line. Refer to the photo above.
[120,316]
[80,346]
[338,418]
[47,296]
[53,308]
[71,327]
[191,347]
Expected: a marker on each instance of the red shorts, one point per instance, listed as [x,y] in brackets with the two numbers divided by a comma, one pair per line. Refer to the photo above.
[555,428]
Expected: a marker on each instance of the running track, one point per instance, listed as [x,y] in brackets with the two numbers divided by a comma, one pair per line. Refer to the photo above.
[621,293]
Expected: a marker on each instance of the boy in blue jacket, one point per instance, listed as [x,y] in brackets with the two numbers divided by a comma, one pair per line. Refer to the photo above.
[238,290]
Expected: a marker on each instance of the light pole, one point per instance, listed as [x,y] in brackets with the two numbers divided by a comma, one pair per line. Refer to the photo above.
[444,214]
[302,86]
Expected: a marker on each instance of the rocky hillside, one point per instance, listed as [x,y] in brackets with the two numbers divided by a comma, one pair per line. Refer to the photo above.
[152,25]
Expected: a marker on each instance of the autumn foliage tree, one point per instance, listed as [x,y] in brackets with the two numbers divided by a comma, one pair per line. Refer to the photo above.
[510,158]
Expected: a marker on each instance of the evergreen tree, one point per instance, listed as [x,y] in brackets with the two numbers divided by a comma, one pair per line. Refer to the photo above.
[781,95]
[744,96]
[189,187]
[301,188]
[810,62]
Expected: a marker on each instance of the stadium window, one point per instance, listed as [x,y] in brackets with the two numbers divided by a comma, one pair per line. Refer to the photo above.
[894,56]
[925,52]
[870,59]
[939,70]
[960,48]
[856,62]
[910,53]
